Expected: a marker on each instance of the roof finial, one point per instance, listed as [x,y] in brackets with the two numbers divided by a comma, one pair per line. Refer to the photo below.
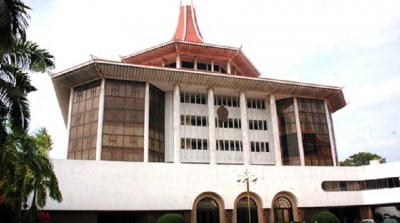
[187,29]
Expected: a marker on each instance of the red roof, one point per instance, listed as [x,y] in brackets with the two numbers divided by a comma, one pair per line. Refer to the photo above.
[187,29]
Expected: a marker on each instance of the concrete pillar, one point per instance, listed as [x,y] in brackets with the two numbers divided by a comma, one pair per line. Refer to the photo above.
[195,63]
[163,62]
[71,104]
[245,128]
[211,127]
[228,67]
[275,131]
[146,123]
[100,119]
[177,123]
[178,61]
[331,135]
[298,129]
[212,65]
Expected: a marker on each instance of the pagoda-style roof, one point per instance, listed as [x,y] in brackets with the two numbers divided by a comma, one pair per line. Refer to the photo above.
[235,55]
[188,41]
[97,69]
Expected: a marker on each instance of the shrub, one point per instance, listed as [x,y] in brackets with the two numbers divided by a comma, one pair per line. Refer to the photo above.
[325,217]
[171,218]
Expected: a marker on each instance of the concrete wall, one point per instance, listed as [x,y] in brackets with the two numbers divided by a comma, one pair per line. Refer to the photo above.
[110,185]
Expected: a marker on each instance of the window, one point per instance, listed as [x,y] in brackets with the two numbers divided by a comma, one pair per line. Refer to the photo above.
[233,123]
[84,119]
[194,144]
[288,132]
[315,134]
[229,101]
[193,120]
[229,145]
[123,126]
[256,103]
[194,98]
[259,146]
[374,184]
[258,125]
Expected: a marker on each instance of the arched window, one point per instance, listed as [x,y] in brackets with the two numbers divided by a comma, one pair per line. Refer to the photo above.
[243,211]
[207,211]
[283,210]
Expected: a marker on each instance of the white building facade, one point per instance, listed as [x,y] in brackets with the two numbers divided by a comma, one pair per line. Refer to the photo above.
[168,129]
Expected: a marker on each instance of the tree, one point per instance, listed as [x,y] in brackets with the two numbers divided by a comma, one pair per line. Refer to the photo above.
[325,217]
[361,159]
[13,22]
[30,173]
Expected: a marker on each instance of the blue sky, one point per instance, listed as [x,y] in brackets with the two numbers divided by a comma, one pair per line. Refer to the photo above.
[354,44]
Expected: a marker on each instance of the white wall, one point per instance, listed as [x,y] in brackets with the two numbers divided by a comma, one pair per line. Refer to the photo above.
[111,185]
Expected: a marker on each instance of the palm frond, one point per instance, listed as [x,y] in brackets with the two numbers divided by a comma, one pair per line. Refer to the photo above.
[28,56]
[13,22]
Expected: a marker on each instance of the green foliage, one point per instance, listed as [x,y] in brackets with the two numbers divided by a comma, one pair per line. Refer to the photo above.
[13,22]
[325,217]
[171,218]
[361,159]
[28,173]
[378,217]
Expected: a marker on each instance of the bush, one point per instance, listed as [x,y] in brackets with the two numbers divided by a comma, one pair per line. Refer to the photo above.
[171,218]
[325,217]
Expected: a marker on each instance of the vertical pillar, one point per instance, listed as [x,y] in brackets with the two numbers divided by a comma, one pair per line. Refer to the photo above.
[100,119]
[245,128]
[146,123]
[212,65]
[195,63]
[298,129]
[331,135]
[228,67]
[176,134]
[178,61]
[275,131]
[163,62]
[71,104]
[211,127]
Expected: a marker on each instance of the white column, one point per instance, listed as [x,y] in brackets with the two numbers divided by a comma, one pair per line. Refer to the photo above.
[245,128]
[228,67]
[298,129]
[211,127]
[195,63]
[71,101]
[177,120]
[178,61]
[331,134]
[212,65]
[146,123]
[100,119]
[163,62]
[275,130]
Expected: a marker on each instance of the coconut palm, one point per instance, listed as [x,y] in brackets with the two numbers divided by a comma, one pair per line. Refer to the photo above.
[31,173]
[13,22]
[15,84]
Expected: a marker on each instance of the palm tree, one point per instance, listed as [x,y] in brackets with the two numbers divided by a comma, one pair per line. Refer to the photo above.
[13,22]
[15,84]
[31,173]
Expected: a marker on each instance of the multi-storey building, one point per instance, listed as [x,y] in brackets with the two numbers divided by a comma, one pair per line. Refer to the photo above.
[170,128]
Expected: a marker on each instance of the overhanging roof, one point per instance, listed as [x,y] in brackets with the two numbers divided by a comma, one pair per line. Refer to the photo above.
[235,55]
[97,69]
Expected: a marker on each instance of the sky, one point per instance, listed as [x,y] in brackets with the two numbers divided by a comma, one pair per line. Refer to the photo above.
[353,44]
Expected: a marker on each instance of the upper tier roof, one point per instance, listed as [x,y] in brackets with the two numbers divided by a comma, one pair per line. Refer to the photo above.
[188,41]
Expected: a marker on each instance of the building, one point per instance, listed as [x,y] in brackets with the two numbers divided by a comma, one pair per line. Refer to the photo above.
[170,128]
